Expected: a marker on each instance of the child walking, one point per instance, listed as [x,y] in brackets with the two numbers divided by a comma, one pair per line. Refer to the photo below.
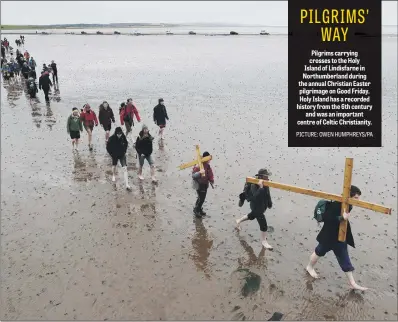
[74,126]
[160,116]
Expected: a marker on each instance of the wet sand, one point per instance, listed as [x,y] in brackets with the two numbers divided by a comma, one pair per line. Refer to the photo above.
[76,246]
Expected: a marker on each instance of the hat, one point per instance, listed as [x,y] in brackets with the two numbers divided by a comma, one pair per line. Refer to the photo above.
[123,104]
[161,100]
[205,154]
[118,130]
[74,109]
[144,127]
[263,172]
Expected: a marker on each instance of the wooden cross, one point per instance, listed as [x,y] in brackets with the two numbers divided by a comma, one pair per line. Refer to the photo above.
[199,160]
[344,198]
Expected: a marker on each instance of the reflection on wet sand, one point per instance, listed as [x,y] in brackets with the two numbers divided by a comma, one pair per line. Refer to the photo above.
[36,113]
[57,94]
[85,168]
[252,259]
[201,244]
[50,118]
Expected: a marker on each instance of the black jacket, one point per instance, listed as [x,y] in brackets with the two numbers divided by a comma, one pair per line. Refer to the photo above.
[54,68]
[261,199]
[329,233]
[45,82]
[143,145]
[105,116]
[160,114]
[25,69]
[117,147]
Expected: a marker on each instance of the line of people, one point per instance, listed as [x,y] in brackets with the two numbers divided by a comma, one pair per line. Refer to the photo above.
[118,143]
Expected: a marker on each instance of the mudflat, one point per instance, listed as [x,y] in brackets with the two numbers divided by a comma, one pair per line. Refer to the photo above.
[76,246]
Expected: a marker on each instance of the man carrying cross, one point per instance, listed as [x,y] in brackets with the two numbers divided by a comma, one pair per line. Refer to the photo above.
[328,239]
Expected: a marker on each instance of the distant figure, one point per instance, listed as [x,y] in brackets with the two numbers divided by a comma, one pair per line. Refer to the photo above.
[328,239]
[55,71]
[160,116]
[117,148]
[26,55]
[32,63]
[32,87]
[25,70]
[74,126]
[44,84]
[201,184]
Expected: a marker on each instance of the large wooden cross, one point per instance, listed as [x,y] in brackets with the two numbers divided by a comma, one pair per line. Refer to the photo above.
[199,160]
[344,198]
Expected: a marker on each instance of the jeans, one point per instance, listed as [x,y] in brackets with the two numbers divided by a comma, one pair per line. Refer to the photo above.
[202,192]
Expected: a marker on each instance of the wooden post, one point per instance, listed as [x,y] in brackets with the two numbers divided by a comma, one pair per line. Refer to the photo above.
[199,159]
[346,195]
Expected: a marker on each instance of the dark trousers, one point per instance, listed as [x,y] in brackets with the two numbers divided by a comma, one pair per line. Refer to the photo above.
[202,192]
[55,77]
[340,251]
[46,90]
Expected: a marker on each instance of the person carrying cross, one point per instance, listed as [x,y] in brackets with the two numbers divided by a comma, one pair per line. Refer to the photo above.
[260,199]
[202,179]
[328,239]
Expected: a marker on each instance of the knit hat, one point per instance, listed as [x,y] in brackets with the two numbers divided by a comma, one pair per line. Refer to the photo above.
[205,154]
[118,130]
[74,109]
[144,127]
[161,100]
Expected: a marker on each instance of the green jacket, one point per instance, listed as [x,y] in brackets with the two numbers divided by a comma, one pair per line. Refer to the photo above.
[74,124]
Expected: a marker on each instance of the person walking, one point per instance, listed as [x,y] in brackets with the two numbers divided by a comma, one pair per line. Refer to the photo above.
[160,116]
[201,184]
[127,116]
[260,199]
[106,118]
[144,148]
[55,71]
[74,126]
[44,84]
[89,119]
[117,147]
[328,239]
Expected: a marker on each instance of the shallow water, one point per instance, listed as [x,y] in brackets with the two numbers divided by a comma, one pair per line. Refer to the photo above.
[75,246]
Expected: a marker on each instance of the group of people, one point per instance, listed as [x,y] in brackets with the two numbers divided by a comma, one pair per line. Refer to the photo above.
[25,65]
[118,143]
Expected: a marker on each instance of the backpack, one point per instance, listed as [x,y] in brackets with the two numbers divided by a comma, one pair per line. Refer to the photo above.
[320,210]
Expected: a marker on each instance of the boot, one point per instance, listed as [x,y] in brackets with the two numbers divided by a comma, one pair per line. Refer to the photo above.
[310,267]
[265,242]
[126,178]
[353,284]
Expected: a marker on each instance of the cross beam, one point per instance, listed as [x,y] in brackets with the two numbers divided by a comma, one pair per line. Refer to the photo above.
[199,160]
[344,198]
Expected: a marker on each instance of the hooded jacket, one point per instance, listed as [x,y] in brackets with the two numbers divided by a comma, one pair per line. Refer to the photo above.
[208,177]
[89,118]
[44,82]
[144,145]
[105,115]
[160,114]
[261,199]
[74,124]
[127,114]
[117,147]
[25,69]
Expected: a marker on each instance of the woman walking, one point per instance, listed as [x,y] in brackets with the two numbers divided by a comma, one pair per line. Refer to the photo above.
[127,116]
[117,147]
[144,148]
[74,126]
[89,118]
[106,118]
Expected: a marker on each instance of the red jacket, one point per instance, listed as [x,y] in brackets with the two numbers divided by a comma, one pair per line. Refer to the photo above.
[89,118]
[208,177]
[129,111]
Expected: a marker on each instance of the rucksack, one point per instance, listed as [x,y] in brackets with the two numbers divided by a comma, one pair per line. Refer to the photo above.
[320,210]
